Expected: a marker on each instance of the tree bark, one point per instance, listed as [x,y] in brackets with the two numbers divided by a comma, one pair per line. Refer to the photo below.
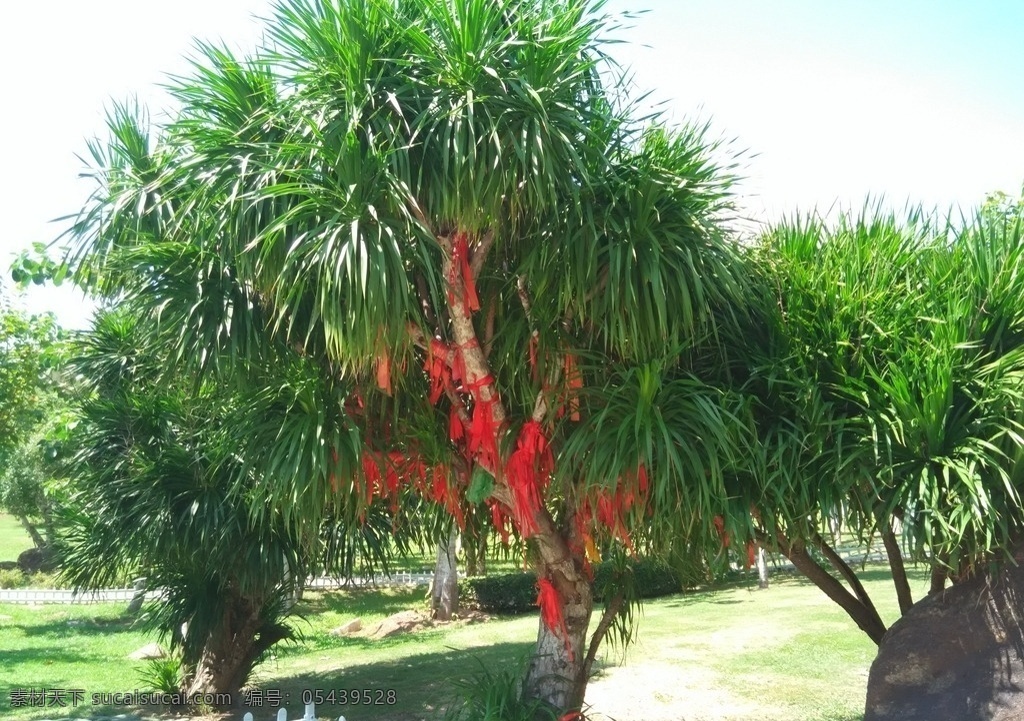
[444,595]
[230,653]
[557,671]
[866,617]
[762,568]
[33,532]
[226,662]
[899,569]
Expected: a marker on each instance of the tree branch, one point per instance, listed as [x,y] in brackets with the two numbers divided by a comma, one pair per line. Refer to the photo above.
[476,262]
[868,622]
[845,571]
[899,570]
[603,626]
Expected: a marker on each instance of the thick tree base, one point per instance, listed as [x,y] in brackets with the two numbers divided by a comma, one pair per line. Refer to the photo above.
[957,655]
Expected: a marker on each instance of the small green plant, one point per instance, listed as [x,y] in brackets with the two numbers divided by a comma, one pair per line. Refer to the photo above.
[497,696]
[162,674]
[13,578]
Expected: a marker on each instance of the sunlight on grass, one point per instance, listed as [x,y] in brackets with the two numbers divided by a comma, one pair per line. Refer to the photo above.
[13,538]
[785,654]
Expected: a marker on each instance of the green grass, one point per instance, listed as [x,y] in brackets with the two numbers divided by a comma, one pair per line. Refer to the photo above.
[13,538]
[785,654]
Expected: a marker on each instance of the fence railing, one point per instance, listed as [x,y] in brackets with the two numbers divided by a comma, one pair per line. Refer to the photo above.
[117,595]
[282,715]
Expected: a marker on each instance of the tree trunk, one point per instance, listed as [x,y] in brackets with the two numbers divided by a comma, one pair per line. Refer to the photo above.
[231,652]
[556,673]
[863,614]
[558,670]
[32,531]
[474,544]
[899,570]
[226,662]
[762,568]
[444,595]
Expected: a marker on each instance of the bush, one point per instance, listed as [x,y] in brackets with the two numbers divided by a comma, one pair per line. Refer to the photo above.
[497,696]
[517,592]
[12,578]
[162,674]
[508,593]
[652,578]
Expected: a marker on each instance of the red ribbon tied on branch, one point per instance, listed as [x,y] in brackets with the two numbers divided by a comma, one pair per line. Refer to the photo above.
[551,611]
[461,272]
[529,468]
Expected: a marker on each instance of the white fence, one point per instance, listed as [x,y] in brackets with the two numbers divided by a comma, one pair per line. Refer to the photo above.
[282,715]
[125,595]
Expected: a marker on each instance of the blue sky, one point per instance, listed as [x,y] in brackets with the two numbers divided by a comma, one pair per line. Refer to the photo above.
[833,101]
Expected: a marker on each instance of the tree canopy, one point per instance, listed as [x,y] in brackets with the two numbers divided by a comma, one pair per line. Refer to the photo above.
[503,278]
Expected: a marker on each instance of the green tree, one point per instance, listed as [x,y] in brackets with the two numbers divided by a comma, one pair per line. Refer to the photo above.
[451,211]
[888,377]
[32,351]
[158,456]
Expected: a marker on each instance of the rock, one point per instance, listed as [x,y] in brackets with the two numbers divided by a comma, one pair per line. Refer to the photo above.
[352,626]
[149,651]
[8,565]
[401,622]
[36,559]
[954,656]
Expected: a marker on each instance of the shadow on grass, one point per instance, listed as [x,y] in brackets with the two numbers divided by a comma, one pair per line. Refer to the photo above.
[408,689]
[78,627]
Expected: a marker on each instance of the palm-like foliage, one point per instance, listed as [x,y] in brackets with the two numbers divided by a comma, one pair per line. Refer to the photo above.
[155,491]
[446,218]
[889,384]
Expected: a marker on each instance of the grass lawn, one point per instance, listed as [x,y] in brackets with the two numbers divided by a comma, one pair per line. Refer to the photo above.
[13,538]
[785,654]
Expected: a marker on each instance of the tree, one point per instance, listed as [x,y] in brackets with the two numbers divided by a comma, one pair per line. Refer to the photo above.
[32,351]
[158,456]
[888,383]
[449,209]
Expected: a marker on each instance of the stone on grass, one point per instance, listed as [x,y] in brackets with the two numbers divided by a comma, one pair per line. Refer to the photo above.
[149,651]
[957,655]
[352,626]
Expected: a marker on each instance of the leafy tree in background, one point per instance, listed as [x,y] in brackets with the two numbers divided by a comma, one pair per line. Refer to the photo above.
[508,281]
[32,350]
[888,375]
[158,456]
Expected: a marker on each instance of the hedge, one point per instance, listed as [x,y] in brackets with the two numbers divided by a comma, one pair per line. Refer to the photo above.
[517,592]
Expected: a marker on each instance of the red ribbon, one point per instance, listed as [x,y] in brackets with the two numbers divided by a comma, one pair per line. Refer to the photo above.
[461,272]
[529,468]
[551,611]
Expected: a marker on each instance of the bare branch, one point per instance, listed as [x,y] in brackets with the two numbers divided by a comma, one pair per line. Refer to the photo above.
[603,626]
[479,255]
[492,308]
[424,296]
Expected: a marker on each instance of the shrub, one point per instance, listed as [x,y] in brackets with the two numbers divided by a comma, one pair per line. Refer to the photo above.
[508,593]
[497,696]
[517,592]
[12,578]
[162,674]
[651,578]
